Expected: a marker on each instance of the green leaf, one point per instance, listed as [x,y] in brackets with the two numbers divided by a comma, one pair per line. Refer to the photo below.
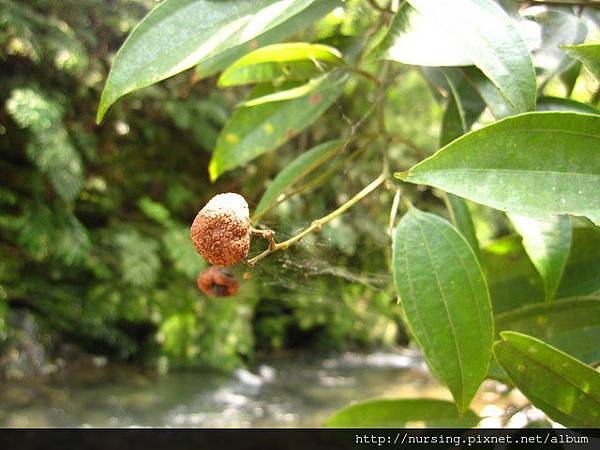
[178,34]
[564,104]
[392,413]
[512,279]
[556,28]
[547,244]
[536,164]
[499,106]
[570,325]
[299,22]
[433,33]
[299,168]
[457,120]
[582,274]
[252,131]
[445,300]
[289,94]
[588,54]
[296,61]
[564,388]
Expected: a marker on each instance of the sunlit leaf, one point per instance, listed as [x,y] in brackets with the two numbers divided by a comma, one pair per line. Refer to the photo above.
[536,164]
[556,28]
[296,23]
[303,90]
[588,54]
[252,131]
[567,390]
[547,243]
[297,61]
[299,168]
[391,413]
[179,34]
[445,300]
[434,33]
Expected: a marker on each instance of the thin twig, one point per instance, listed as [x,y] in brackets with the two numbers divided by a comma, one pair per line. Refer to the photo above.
[317,224]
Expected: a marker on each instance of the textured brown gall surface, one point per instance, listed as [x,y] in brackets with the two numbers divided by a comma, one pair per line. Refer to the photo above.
[218,282]
[221,230]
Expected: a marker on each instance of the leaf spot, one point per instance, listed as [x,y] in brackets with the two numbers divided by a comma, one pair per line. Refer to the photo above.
[268,128]
[315,99]
[232,138]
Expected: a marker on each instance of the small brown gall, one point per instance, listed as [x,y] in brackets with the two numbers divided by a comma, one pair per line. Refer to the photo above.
[218,282]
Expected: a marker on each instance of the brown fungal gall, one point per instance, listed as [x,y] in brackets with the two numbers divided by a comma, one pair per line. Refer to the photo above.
[221,230]
[218,282]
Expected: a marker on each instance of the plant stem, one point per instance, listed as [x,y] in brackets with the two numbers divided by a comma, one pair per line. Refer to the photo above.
[375,6]
[317,224]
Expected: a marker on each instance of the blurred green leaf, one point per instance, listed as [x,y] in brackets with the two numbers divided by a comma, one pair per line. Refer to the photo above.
[138,257]
[582,273]
[570,325]
[179,34]
[446,301]
[50,147]
[433,33]
[252,131]
[513,280]
[182,254]
[548,244]
[556,28]
[565,104]
[588,54]
[564,388]
[526,168]
[295,61]
[312,86]
[296,170]
[391,413]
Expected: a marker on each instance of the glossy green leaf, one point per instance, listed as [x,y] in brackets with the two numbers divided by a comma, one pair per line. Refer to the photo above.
[392,413]
[252,131]
[461,111]
[178,34]
[294,24]
[570,325]
[582,274]
[296,60]
[434,33]
[588,54]
[567,390]
[565,104]
[445,300]
[299,168]
[547,243]
[536,164]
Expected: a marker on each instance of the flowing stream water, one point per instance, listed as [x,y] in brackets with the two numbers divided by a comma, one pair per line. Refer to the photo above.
[284,391]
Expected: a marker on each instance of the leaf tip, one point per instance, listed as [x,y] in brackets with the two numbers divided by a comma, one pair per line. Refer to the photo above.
[402,175]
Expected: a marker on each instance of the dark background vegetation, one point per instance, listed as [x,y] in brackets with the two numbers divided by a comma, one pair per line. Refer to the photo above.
[94,220]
